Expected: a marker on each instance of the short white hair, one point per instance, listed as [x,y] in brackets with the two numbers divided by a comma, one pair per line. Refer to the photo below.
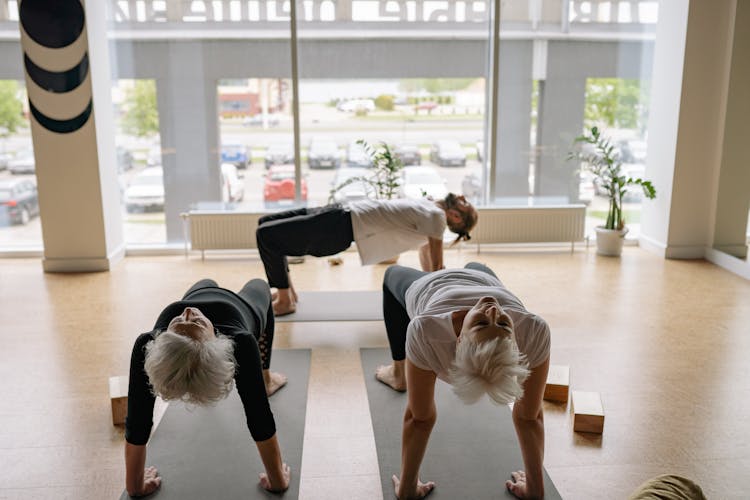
[494,367]
[194,371]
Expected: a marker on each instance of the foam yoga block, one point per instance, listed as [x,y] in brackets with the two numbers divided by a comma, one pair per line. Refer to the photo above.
[118,396]
[207,452]
[472,450]
[588,412]
[558,384]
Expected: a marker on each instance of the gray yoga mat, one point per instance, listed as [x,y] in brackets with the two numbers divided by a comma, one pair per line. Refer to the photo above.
[337,306]
[472,449]
[206,453]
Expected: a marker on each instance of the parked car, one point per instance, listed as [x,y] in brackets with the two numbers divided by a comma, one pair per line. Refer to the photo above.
[281,153]
[585,187]
[22,163]
[323,153]
[19,201]
[471,187]
[354,105]
[232,184]
[356,190]
[633,151]
[146,191]
[272,120]
[124,160]
[448,153]
[423,181]
[356,156]
[153,159]
[4,159]
[239,154]
[279,187]
[480,151]
[409,154]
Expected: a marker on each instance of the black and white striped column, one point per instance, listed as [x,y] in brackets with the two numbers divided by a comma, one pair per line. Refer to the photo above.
[66,64]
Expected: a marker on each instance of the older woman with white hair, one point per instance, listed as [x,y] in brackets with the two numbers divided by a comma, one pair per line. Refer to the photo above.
[198,349]
[464,327]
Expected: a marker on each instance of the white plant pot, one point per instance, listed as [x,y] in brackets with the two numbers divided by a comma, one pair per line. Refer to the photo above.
[609,241]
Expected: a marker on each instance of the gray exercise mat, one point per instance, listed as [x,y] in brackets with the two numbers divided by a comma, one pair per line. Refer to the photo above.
[337,306]
[206,453]
[472,449]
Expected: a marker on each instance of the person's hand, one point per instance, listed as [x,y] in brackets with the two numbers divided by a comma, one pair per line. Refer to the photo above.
[151,482]
[265,482]
[423,489]
[518,485]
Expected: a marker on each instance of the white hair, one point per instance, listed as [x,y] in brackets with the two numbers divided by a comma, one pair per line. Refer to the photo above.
[494,367]
[194,371]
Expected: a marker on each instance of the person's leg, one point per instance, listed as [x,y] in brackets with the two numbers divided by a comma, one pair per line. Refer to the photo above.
[480,267]
[257,293]
[204,283]
[319,232]
[395,283]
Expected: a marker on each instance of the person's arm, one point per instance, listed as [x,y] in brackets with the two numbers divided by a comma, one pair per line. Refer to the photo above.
[431,255]
[278,474]
[528,419]
[139,481]
[252,390]
[419,420]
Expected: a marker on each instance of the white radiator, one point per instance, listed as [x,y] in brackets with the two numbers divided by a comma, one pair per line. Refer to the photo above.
[543,224]
[221,230]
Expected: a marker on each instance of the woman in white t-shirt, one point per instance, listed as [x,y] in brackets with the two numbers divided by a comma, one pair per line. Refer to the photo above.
[381,229]
[464,327]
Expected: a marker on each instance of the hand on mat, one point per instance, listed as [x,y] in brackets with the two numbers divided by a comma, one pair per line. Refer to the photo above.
[518,485]
[151,481]
[423,489]
[277,488]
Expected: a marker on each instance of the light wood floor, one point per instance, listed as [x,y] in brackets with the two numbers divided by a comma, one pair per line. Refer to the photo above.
[666,343]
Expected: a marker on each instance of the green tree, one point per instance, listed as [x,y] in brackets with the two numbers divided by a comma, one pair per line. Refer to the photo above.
[11,108]
[140,116]
[384,102]
[615,102]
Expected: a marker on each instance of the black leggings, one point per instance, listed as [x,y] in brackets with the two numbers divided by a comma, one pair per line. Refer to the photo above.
[260,319]
[317,231]
[397,280]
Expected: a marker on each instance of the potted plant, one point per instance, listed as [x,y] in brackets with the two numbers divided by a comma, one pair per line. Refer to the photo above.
[599,157]
[385,179]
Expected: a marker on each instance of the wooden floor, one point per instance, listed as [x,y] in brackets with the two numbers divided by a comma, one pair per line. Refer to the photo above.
[666,343]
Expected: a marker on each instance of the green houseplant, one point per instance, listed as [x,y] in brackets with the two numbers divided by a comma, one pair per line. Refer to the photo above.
[385,179]
[599,157]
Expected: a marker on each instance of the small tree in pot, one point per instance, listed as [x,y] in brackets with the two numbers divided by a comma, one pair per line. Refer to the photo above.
[385,179]
[599,157]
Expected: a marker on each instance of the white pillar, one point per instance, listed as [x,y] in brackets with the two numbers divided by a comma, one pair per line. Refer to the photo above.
[68,82]
[686,122]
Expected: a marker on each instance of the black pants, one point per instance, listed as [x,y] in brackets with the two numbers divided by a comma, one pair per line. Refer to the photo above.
[397,280]
[317,231]
[257,297]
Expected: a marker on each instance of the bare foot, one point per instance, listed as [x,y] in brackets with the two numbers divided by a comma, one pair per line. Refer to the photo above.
[281,308]
[275,295]
[387,375]
[274,381]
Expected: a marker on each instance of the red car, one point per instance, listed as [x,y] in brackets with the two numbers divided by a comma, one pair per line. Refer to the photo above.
[278,190]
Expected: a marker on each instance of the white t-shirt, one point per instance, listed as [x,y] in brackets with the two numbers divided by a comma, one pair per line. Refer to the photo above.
[430,301]
[384,228]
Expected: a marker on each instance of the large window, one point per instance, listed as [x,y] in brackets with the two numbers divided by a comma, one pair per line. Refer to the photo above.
[204,101]
[20,225]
